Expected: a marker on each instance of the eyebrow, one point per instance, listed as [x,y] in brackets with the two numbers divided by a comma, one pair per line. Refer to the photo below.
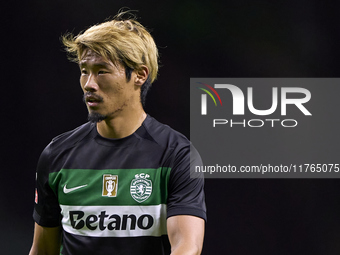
[100,64]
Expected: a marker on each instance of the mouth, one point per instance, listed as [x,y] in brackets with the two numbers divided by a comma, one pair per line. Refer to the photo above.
[92,100]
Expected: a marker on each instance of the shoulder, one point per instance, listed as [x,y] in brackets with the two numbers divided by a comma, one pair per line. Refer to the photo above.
[179,151]
[164,135]
[68,139]
[73,136]
[54,151]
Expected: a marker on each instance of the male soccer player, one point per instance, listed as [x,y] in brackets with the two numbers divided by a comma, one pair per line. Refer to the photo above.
[119,184]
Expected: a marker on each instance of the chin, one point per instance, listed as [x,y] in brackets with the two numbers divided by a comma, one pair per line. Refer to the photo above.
[96,117]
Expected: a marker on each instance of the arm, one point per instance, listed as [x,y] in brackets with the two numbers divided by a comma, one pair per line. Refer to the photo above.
[186,234]
[46,241]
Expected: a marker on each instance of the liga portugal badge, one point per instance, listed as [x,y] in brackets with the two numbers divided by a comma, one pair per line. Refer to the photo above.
[110,185]
[141,187]
[36,196]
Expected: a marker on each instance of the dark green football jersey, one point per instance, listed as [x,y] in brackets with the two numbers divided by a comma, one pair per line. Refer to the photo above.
[113,196]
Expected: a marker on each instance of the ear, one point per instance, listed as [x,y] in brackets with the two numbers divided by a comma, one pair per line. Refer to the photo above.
[142,75]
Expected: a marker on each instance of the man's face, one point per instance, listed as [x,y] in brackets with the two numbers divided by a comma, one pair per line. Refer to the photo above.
[107,93]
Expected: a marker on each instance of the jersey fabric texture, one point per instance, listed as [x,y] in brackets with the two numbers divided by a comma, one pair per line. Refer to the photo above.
[113,196]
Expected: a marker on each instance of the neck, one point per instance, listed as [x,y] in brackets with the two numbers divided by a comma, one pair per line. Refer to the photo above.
[122,125]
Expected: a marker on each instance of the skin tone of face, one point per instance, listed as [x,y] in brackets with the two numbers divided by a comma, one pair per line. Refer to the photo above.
[108,94]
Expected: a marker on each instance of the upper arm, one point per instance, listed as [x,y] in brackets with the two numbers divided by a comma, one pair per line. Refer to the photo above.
[186,192]
[47,230]
[46,240]
[186,234]
[186,205]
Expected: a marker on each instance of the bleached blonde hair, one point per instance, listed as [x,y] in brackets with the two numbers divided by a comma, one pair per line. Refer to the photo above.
[120,40]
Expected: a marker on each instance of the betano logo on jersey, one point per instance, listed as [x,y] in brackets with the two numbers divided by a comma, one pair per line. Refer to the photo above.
[114,220]
[110,185]
[102,221]
[141,187]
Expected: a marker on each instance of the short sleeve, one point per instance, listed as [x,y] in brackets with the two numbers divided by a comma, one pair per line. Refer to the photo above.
[186,194]
[46,210]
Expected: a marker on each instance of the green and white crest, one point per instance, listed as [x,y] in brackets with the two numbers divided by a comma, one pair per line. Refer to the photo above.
[141,187]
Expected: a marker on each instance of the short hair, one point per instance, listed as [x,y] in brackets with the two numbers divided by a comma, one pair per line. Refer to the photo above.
[120,40]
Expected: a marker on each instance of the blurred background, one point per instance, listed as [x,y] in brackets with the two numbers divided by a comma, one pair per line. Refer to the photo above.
[247,38]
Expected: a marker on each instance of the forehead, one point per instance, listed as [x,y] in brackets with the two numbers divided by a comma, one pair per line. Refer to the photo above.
[90,57]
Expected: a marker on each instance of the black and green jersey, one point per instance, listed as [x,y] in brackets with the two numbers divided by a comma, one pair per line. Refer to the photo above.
[113,196]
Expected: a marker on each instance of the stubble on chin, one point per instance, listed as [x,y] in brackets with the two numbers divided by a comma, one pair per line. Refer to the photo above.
[95,117]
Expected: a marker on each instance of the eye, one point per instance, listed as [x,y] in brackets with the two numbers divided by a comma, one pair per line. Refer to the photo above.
[83,71]
[102,72]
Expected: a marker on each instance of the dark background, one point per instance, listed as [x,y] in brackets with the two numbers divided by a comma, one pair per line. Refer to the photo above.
[41,98]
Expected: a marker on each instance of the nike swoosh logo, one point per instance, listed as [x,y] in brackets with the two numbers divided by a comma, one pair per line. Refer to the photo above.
[66,190]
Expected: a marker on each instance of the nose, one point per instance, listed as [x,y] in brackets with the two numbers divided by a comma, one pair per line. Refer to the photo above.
[90,83]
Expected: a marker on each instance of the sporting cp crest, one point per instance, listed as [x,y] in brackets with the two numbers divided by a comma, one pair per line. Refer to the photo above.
[141,187]
[110,185]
